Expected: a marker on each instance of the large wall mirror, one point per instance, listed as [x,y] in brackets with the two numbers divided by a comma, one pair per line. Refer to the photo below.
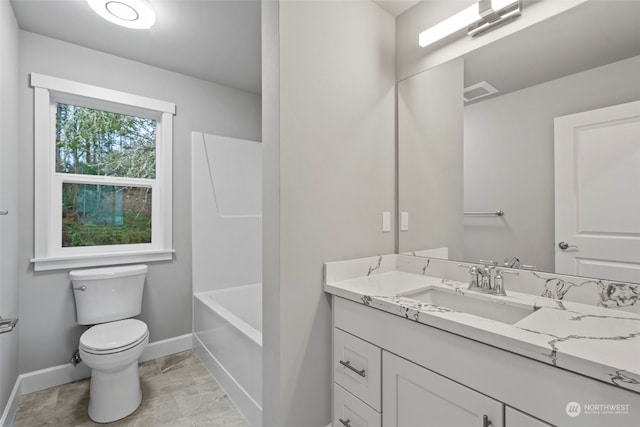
[556,149]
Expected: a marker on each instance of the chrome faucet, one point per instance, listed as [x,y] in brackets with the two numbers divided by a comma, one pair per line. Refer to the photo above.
[487,279]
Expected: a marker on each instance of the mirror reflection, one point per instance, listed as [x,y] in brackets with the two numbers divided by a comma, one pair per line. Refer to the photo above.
[555,150]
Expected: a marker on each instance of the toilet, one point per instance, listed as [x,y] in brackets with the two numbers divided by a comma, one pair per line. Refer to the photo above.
[107,298]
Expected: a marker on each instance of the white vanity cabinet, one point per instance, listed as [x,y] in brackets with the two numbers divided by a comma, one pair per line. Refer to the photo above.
[421,376]
[415,396]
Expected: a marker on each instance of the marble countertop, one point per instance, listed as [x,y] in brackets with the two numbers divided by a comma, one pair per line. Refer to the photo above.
[598,342]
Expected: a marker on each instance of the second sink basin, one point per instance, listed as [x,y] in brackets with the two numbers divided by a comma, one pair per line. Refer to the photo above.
[477,304]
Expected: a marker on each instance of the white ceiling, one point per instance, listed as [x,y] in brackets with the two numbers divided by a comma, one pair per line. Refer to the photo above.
[396,7]
[219,40]
[214,40]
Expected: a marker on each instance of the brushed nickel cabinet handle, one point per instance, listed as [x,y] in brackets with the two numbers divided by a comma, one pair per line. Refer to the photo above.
[486,422]
[345,423]
[4,212]
[347,364]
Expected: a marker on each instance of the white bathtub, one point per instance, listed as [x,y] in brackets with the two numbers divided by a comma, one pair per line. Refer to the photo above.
[228,339]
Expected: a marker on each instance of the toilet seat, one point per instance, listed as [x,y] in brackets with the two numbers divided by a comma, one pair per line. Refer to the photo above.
[114,337]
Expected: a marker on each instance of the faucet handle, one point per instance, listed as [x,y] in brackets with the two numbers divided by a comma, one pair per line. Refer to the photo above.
[498,281]
[473,275]
[498,284]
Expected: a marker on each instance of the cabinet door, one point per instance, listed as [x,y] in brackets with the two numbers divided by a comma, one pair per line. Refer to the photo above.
[515,418]
[414,396]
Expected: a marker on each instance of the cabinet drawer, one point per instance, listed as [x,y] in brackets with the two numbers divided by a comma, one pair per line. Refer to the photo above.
[357,367]
[350,411]
[518,419]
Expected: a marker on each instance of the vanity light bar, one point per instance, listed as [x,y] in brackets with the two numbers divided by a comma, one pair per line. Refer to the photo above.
[510,12]
[477,18]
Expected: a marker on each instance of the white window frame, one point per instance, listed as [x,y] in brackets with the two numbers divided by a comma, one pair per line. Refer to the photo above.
[49,253]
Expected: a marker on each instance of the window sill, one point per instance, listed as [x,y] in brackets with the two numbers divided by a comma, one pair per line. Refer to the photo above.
[99,260]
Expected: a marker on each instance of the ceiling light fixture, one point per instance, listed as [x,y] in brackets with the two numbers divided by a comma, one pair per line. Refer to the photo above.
[136,14]
[477,18]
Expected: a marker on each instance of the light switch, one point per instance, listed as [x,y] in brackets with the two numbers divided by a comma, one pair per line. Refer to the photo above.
[386,221]
[404,221]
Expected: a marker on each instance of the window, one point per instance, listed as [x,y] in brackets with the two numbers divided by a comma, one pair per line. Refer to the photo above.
[102,176]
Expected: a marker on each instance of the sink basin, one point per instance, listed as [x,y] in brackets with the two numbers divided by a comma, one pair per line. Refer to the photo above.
[477,304]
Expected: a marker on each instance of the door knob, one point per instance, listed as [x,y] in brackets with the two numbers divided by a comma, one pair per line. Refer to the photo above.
[564,246]
[4,212]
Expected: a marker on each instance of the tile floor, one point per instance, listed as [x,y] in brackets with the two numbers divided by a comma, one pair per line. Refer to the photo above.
[177,391]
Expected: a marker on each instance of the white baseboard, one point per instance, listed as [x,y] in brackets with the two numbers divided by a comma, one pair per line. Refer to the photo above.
[9,414]
[63,374]
[52,377]
[166,347]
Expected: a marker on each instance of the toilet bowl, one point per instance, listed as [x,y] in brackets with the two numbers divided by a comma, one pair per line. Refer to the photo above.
[107,298]
[112,351]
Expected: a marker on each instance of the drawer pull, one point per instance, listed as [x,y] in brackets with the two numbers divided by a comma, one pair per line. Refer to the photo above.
[345,423]
[486,422]
[347,364]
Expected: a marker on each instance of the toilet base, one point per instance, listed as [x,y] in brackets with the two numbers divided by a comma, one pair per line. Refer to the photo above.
[114,394]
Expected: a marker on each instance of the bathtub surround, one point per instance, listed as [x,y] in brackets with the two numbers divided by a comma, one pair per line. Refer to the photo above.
[9,193]
[226,265]
[177,391]
[48,332]
[226,212]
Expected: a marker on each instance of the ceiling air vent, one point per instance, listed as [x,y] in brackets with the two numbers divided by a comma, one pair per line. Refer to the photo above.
[478,90]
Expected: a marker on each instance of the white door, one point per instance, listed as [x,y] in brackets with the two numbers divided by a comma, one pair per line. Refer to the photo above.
[414,396]
[597,193]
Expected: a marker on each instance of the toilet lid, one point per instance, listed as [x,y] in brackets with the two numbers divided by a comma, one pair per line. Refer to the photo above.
[114,335]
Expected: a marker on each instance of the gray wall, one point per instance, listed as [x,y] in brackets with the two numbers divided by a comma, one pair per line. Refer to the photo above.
[9,142]
[430,161]
[329,155]
[509,159]
[49,333]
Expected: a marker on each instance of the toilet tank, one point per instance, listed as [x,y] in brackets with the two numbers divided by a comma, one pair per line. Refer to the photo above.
[108,294]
